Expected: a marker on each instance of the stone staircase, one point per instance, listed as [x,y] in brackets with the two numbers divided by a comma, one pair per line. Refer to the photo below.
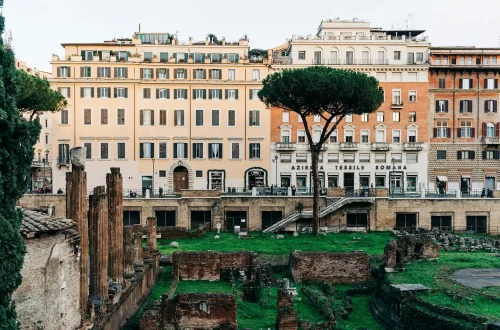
[332,206]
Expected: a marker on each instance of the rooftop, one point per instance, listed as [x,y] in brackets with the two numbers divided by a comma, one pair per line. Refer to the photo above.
[37,222]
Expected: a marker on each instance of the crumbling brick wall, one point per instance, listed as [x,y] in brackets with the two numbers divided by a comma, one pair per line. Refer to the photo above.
[286,316]
[340,267]
[50,292]
[175,233]
[200,311]
[408,247]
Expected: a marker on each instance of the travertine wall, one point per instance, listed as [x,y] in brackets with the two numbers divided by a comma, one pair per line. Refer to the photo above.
[50,291]
[349,267]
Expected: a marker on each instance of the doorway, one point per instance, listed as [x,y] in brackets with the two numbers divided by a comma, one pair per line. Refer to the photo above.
[317,58]
[465,185]
[236,218]
[147,183]
[269,218]
[181,178]
[349,182]
[490,183]
[255,179]
[396,183]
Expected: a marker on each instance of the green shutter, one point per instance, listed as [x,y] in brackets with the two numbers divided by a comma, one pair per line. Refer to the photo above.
[175,56]
[100,54]
[186,55]
[83,55]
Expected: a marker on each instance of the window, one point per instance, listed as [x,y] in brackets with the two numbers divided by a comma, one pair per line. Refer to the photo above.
[333,158]
[301,157]
[301,136]
[215,94]
[462,60]
[254,118]
[285,136]
[199,94]
[349,136]
[231,94]
[412,117]
[441,130]
[420,57]
[235,150]
[254,94]
[146,73]
[285,116]
[179,73]
[494,60]
[46,139]
[348,118]
[395,116]
[199,174]
[490,106]
[232,58]
[64,117]
[412,96]
[104,150]
[286,158]
[87,55]
[163,117]
[379,181]
[396,97]
[316,135]
[445,60]
[380,117]
[63,71]
[349,158]
[178,117]
[197,150]
[465,130]
[120,116]
[466,154]
[398,158]
[491,154]
[121,92]
[231,118]
[87,117]
[396,136]
[104,116]
[162,150]
[104,72]
[88,150]
[302,55]
[120,148]
[162,73]
[380,158]
[146,118]
[412,158]
[215,118]
[364,117]
[215,74]
[85,72]
[180,150]
[333,137]
[465,83]
[147,150]
[412,136]
[255,74]
[438,60]
[104,92]
[163,173]
[180,93]
[146,93]
[365,136]
[86,92]
[231,74]
[490,129]
[465,105]
[406,220]
[65,91]
[199,74]
[442,83]
[198,58]
[162,93]
[490,83]
[364,158]
[199,117]
[317,118]
[131,218]
[441,222]
[397,55]
[215,150]
[254,150]
[121,73]
[441,154]
[441,105]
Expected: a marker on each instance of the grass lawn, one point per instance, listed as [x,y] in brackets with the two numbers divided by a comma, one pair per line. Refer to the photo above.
[372,243]
[436,275]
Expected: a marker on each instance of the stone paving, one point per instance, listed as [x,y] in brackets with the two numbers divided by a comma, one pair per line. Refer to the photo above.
[477,278]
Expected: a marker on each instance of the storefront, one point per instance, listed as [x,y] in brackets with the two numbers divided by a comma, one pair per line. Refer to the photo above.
[256,177]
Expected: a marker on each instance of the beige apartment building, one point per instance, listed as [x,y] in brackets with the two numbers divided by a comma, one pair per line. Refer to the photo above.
[41,171]
[169,114]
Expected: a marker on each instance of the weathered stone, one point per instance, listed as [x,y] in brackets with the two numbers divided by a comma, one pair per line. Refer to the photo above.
[128,251]
[286,317]
[138,260]
[114,191]
[77,157]
[408,247]
[99,243]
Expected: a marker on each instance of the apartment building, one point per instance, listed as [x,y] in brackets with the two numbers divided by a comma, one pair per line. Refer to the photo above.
[41,171]
[387,148]
[464,121]
[170,114]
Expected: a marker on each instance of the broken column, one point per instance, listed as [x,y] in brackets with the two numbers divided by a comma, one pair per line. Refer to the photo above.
[76,209]
[138,261]
[114,185]
[99,243]
[151,236]
[128,252]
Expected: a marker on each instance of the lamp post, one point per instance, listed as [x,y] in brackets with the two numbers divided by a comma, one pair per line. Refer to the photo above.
[44,176]
[276,161]
[153,181]
[392,177]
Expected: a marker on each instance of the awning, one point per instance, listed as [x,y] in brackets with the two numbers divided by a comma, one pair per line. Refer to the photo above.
[442,178]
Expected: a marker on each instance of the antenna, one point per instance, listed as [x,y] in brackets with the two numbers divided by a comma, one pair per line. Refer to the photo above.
[411,17]
[139,27]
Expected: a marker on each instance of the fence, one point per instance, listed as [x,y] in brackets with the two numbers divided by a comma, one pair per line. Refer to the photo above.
[482,230]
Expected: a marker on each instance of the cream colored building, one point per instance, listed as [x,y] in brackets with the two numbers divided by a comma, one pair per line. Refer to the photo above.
[169,114]
[40,166]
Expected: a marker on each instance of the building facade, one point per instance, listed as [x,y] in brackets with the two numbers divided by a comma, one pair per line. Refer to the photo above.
[41,167]
[170,114]
[387,148]
[463,119]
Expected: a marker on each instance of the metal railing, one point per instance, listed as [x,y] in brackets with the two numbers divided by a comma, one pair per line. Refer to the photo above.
[440,193]
[362,192]
[382,61]
[413,146]
[348,146]
[477,193]
[236,191]
[380,146]
[285,146]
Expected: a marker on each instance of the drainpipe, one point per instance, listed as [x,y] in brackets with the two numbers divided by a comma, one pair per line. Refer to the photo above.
[477,116]
[453,131]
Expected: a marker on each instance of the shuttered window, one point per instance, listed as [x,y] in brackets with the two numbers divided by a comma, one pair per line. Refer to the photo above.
[180,150]
[198,150]
[162,154]
[178,117]
[87,116]
[215,118]
[254,150]
[146,93]
[120,146]
[163,117]
[199,118]
[235,150]
[162,93]
[104,116]
[88,150]
[64,117]
[215,94]
[120,117]
[146,117]
[254,118]
[146,150]
[231,118]
[215,150]
[104,150]
[63,157]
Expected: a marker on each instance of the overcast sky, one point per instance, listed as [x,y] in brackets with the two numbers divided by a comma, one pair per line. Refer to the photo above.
[39,27]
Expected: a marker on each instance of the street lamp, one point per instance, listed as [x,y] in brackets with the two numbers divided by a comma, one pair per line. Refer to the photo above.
[153,181]
[392,176]
[276,161]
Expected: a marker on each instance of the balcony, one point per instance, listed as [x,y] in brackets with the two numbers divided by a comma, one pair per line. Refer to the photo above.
[491,140]
[381,61]
[380,146]
[413,146]
[349,146]
[285,146]
[38,163]
[397,104]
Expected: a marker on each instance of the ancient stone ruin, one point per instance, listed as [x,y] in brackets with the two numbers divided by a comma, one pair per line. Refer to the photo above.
[400,252]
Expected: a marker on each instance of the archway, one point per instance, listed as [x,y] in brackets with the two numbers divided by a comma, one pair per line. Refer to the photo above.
[181,178]
[180,166]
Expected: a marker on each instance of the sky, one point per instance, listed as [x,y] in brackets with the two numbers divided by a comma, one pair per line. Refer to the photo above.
[39,27]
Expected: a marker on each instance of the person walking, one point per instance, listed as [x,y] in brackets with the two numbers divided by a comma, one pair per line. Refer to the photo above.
[160,190]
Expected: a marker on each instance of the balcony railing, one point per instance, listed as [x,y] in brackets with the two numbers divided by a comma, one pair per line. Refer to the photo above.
[380,146]
[397,104]
[413,146]
[365,61]
[318,61]
[381,61]
[348,146]
[491,140]
[333,61]
[285,146]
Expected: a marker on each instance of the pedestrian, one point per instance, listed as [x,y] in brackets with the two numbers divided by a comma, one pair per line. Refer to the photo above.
[160,190]
[293,190]
[59,191]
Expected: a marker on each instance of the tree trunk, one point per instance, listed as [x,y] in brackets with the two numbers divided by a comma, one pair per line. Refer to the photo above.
[315,156]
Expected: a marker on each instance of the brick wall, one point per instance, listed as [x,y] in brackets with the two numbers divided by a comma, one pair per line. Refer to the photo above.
[350,267]
[286,316]
[50,290]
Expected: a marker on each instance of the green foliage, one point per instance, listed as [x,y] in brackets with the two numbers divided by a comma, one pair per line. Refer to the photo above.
[35,95]
[257,52]
[372,243]
[17,137]
[212,39]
